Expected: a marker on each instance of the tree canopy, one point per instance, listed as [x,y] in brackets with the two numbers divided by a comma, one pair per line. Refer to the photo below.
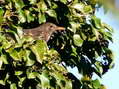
[26,63]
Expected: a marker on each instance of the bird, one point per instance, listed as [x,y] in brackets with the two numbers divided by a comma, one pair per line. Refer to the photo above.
[43,31]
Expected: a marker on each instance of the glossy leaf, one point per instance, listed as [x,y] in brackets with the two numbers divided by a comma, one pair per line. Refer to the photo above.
[31,75]
[29,58]
[13,86]
[39,49]
[77,40]
[14,54]
[22,16]
[78,6]
[4,59]
[64,1]
[96,22]
[51,13]
[1,15]
[44,80]
[29,16]
[87,9]
[96,84]
[19,4]
[42,18]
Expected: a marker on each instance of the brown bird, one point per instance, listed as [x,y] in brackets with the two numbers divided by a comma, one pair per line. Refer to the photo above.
[43,32]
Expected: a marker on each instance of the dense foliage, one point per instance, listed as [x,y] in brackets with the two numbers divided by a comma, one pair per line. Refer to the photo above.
[26,63]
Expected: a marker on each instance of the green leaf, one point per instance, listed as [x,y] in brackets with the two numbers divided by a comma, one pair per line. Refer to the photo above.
[77,40]
[6,44]
[74,53]
[52,13]
[31,75]
[93,2]
[22,16]
[21,81]
[42,6]
[33,1]
[39,49]
[98,68]
[29,58]
[83,36]
[63,1]
[58,67]
[16,37]
[45,83]
[96,22]
[19,4]
[95,32]
[20,32]
[88,9]
[1,15]
[14,54]
[29,16]
[2,37]
[4,59]
[42,18]
[1,62]
[68,85]
[108,27]
[54,6]
[13,86]
[61,81]
[96,84]
[74,26]
[18,72]
[2,82]
[78,6]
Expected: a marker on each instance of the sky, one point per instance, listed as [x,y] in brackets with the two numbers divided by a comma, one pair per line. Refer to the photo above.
[111,78]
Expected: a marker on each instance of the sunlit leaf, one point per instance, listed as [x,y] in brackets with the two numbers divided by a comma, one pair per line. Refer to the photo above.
[87,9]
[14,54]
[29,16]
[77,40]
[108,27]
[96,84]
[64,1]
[22,16]
[42,18]
[29,58]
[2,82]
[19,4]
[1,15]
[44,80]
[4,59]
[78,6]
[51,13]
[42,6]
[39,49]
[98,68]
[13,86]
[74,26]
[18,72]
[96,22]
[31,75]
[33,1]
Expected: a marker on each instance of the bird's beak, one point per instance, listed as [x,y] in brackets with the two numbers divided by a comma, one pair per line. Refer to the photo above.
[60,28]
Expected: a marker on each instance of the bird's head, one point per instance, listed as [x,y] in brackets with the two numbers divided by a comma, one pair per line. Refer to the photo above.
[52,27]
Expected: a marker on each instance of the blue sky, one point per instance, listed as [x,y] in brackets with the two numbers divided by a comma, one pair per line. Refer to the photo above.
[111,78]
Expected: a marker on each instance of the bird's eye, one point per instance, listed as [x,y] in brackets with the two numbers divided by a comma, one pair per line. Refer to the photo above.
[51,26]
